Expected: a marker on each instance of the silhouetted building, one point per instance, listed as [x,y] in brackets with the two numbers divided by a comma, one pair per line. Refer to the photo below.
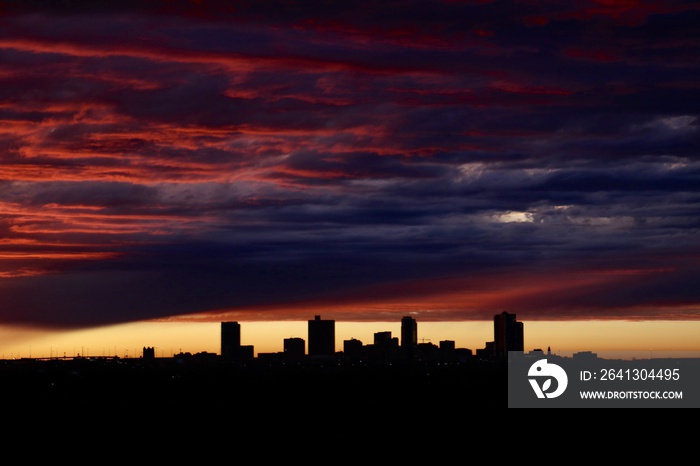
[203,357]
[508,334]
[353,349]
[409,336]
[384,340]
[246,352]
[447,345]
[488,351]
[149,353]
[584,355]
[427,351]
[321,337]
[462,354]
[385,346]
[230,340]
[294,348]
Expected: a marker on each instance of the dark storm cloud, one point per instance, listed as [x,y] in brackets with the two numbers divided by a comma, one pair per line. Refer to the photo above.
[160,158]
[200,277]
[94,194]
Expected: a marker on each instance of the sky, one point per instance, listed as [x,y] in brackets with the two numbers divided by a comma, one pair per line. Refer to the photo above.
[194,162]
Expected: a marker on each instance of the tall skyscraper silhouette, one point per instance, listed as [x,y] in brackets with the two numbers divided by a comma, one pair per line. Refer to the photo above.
[321,337]
[409,335]
[508,334]
[230,340]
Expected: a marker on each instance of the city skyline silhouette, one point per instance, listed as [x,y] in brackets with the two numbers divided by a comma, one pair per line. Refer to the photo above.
[168,165]
[310,368]
[508,335]
[389,365]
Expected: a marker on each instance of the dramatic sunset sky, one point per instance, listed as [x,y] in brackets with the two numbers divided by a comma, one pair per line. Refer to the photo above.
[166,165]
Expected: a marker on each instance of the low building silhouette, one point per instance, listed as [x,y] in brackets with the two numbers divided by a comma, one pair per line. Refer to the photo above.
[354,350]
[149,353]
[294,348]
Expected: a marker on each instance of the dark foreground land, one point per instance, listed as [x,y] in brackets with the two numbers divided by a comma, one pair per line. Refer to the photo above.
[452,389]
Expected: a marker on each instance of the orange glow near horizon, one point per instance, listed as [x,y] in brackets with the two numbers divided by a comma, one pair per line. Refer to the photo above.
[170,338]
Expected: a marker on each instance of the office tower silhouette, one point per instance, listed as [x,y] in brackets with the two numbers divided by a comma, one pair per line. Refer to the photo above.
[409,335]
[321,337]
[230,340]
[508,334]
[385,340]
[385,347]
